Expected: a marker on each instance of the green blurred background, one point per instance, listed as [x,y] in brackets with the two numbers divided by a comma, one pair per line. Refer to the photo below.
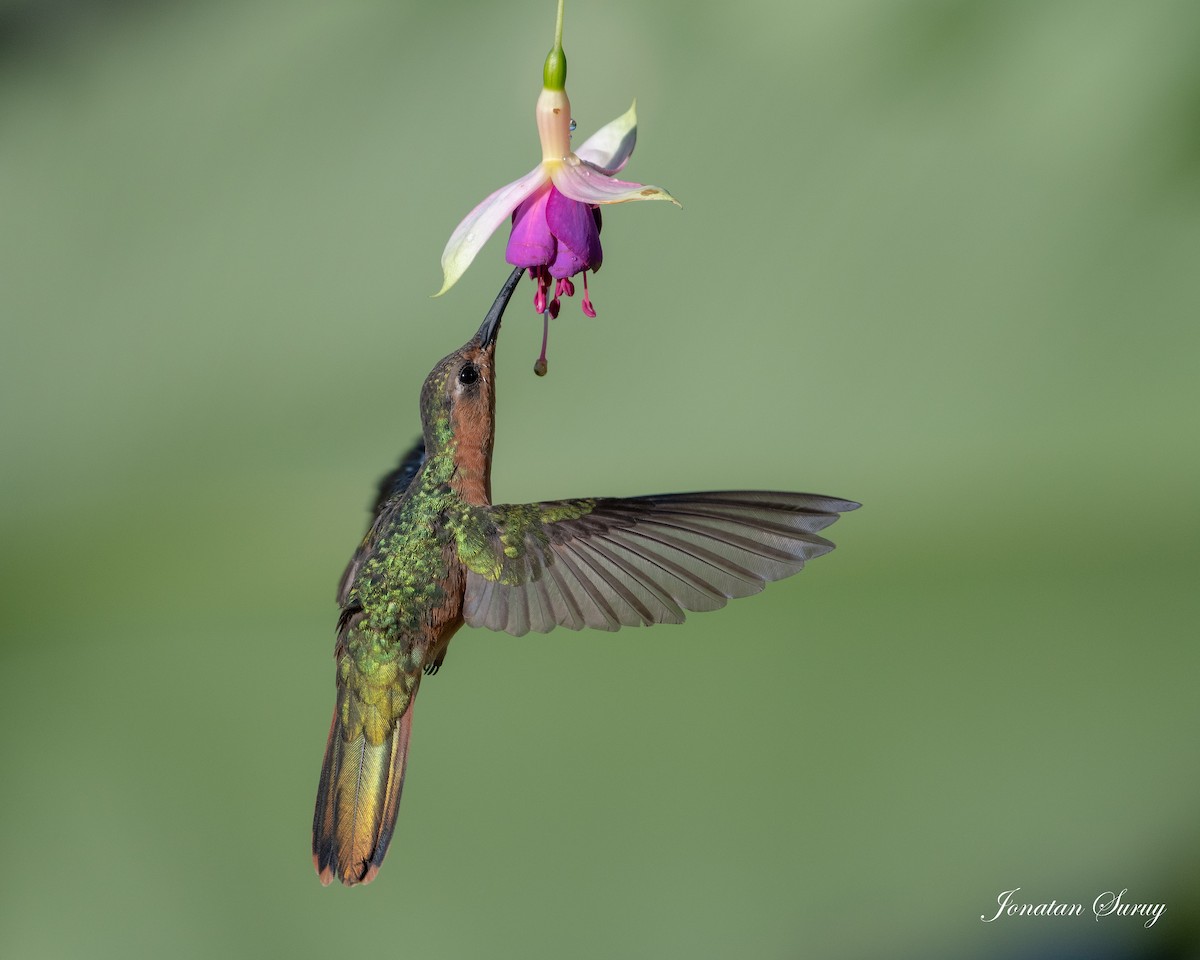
[938,256]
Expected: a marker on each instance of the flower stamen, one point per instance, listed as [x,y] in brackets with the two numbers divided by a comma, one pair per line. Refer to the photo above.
[586,304]
[539,298]
[540,366]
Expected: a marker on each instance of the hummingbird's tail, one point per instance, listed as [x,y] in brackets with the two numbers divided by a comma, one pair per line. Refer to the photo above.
[357,801]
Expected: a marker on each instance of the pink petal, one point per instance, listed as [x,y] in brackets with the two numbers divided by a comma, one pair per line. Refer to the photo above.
[531,243]
[581,181]
[469,236]
[610,146]
[574,227]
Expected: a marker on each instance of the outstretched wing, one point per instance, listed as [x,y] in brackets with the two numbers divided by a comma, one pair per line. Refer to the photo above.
[614,562]
[393,484]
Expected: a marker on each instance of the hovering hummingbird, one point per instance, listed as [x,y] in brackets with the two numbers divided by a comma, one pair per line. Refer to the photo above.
[438,554]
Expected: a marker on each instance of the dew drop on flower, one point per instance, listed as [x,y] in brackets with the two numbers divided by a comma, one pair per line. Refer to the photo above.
[572,127]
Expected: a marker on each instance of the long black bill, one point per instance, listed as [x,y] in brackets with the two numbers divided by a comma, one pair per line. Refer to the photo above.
[491,323]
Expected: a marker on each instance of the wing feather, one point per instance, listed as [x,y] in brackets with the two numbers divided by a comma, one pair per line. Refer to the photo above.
[693,591]
[627,605]
[636,561]
[518,609]
[597,613]
[567,611]
[541,605]
[638,571]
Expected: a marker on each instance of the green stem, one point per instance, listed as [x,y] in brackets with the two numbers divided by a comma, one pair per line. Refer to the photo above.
[554,73]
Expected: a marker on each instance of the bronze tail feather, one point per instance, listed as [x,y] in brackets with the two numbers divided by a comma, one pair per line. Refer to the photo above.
[357,801]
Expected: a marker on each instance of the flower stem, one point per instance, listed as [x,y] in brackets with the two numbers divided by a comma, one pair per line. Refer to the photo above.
[554,72]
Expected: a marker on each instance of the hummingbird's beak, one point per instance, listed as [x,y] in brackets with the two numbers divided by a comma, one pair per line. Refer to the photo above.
[491,323]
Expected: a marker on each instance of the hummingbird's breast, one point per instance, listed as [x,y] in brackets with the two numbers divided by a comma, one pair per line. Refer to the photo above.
[412,584]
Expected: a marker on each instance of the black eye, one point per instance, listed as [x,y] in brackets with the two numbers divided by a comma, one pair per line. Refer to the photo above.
[469,374]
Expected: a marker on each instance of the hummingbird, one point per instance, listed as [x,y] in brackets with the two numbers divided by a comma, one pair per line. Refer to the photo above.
[438,553]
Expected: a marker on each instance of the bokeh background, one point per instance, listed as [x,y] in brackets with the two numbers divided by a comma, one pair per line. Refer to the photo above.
[937,256]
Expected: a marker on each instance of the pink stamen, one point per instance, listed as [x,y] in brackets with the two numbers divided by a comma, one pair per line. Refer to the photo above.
[539,298]
[540,365]
[586,304]
[553,307]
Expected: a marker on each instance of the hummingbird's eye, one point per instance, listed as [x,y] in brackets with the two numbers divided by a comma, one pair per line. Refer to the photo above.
[469,374]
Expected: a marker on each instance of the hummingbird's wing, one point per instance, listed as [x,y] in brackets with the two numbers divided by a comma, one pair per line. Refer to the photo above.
[393,484]
[613,562]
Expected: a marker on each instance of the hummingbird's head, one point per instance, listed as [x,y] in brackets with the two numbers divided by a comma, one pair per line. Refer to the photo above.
[460,391]
[458,401]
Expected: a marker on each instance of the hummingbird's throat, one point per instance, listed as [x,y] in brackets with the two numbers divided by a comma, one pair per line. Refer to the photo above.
[470,451]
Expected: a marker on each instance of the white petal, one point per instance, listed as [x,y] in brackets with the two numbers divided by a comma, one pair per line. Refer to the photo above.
[469,236]
[610,146]
[587,183]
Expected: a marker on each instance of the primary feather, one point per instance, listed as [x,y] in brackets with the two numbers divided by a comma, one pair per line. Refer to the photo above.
[634,561]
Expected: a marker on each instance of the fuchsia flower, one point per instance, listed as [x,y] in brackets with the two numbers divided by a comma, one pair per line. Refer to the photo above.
[555,207]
